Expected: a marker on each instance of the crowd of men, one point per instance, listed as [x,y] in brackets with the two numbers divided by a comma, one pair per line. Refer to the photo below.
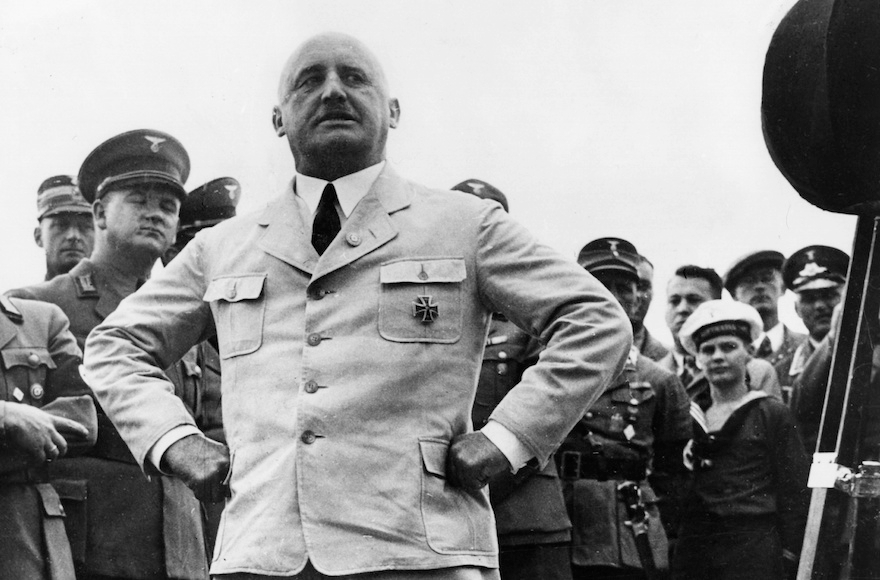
[341,384]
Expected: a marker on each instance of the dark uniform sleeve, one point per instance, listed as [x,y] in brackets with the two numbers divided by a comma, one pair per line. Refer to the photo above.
[672,430]
[791,468]
[808,395]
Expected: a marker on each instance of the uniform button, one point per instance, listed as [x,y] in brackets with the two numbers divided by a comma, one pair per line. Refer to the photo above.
[317,293]
[589,415]
[230,294]
[308,437]
[423,275]
[311,387]
[37,391]
[502,368]
[353,239]
[33,359]
[502,355]
[314,339]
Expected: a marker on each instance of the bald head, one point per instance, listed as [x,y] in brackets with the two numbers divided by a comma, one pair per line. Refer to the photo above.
[333,107]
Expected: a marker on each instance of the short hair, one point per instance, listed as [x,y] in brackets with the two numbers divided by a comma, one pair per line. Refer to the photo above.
[708,274]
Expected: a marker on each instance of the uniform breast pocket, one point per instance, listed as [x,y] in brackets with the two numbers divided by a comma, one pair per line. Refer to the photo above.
[421,300]
[26,369]
[239,305]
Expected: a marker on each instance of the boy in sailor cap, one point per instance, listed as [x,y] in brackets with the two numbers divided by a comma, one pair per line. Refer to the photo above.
[746,508]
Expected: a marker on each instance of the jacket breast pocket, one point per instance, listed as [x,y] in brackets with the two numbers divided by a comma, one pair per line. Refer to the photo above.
[239,308]
[26,372]
[421,301]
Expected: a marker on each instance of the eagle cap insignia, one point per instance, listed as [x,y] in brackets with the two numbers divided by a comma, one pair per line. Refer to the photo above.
[425,309]
[232,189]
[811,270]
[156,141]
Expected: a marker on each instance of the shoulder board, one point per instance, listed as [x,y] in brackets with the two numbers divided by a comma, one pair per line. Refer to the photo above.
[9,309]
[85,286]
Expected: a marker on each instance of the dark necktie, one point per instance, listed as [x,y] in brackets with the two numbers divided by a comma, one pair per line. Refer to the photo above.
[765,349]
[326,224]
[689,370]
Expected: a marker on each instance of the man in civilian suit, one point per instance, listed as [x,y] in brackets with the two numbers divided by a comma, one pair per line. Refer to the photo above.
[351,316]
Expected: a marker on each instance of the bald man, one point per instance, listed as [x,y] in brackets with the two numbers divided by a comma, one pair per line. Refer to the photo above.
[351,317]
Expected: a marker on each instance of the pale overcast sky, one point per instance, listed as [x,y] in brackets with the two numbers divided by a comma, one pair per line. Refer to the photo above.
[636,118]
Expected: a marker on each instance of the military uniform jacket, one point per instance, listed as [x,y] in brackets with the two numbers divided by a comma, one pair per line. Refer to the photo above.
[119,522]
[648,409]
[345,377]
[790,341]
[789,368]
[34,343]
[649,346]
[528,506]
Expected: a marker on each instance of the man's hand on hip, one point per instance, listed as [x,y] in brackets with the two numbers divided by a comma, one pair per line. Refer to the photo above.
[202,464]
[472,460]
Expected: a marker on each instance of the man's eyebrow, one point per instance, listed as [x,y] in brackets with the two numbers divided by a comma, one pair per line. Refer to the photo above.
[311,69]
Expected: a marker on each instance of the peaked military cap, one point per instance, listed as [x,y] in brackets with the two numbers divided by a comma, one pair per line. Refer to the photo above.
[141,156]
[720,318]
[610,255]
[210,204]
[740,267]
[59,194]
[483,190]
[815,267]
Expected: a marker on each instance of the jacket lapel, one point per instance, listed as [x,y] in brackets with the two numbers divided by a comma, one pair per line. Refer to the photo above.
[369,226]
[7,330]
[287,235]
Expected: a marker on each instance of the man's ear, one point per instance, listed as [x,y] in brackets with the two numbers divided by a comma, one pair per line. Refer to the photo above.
[277,121]
[38,236]
[99,212]
[394,108]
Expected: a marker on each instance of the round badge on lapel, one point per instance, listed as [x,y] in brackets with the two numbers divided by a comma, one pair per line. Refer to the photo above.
[37,391]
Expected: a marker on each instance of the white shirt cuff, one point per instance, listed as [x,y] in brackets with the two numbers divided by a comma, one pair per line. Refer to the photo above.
[508,443]
[154,455]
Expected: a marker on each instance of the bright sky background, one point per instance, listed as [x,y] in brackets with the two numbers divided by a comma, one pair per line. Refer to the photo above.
[636,118]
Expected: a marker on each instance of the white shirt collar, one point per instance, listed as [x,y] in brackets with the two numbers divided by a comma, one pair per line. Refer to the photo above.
[350,189]
[776,336]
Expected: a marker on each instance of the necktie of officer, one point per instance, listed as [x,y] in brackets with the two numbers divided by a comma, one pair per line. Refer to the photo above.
[765,349]
[689,370]
[326,224]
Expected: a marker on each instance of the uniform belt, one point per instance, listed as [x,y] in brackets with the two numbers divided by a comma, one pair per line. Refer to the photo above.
[576,465]
[32,475]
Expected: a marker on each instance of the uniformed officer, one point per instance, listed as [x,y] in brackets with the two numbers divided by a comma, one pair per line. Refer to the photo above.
[196,376]
[634,432]
[135,527]
[45,412]
[65,231]
[647,344]
[533,526]
[746,508]
[756,279]
[816,275]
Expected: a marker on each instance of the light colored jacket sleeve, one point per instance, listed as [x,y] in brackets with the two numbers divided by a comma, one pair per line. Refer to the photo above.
[150,330]
[587,334]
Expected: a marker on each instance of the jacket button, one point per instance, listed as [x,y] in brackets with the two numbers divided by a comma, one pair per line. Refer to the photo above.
[501,368]
[317,293]
[311,387]
[502,355]
[308,437]
[589,415]
[353,239]
[37,391]
[33,359]
[230,294]
[314,339]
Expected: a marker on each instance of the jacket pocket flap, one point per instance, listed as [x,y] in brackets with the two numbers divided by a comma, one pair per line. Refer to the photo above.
[51,501]
[434,456]
[235,288]
[27,357]
[639,391]
[75,489]
[427,271]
